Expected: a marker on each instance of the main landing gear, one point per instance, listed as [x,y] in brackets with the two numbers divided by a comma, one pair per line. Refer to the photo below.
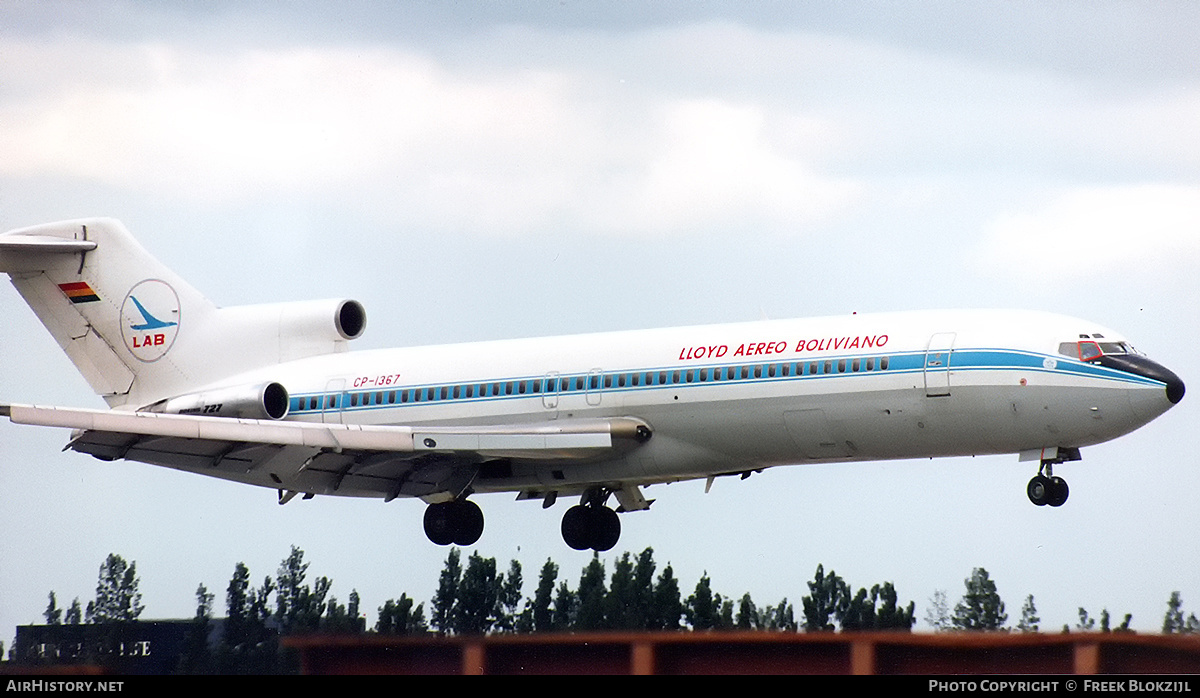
[590,524]
[459,522]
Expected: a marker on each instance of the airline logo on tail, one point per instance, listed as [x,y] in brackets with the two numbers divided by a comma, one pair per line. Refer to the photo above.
[150,319]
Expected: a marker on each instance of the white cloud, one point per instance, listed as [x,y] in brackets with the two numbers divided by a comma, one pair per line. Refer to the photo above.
[504,150]
[1099,229]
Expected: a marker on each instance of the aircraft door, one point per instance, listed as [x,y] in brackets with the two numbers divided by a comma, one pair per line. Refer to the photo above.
[550,389]
[331,411]
[937,364]
[595,384]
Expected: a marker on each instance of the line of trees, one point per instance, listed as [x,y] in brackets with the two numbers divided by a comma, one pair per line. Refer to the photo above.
[476,597]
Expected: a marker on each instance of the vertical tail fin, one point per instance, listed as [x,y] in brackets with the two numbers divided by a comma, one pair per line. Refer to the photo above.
[117,311]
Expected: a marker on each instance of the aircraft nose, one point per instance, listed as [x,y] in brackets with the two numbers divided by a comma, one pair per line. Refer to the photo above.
[1155,370]
[1143,366]
[1174,388]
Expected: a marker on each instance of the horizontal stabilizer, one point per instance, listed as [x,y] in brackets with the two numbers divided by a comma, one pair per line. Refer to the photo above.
[43,244]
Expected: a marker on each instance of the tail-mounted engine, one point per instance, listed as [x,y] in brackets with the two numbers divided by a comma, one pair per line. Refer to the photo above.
[266,401]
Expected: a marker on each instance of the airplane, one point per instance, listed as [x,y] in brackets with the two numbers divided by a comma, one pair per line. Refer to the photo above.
[269,395]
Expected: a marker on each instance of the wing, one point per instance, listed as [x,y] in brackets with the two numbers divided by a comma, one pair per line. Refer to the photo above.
[339,459]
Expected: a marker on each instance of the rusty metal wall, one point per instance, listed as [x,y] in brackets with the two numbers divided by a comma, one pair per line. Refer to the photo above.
[753,653]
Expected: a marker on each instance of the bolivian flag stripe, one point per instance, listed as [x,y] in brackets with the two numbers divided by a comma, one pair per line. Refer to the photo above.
[79,292]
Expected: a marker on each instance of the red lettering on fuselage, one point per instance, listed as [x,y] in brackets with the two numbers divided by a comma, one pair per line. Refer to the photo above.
[865,341]
[714,351]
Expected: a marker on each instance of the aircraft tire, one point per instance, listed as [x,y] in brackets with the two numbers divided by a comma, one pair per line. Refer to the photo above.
[577,527]
[606,529]
[1038,490]
[468,522]
[439,523]
[1057,493]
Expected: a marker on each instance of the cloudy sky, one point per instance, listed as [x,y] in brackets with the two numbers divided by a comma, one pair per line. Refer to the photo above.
[480,171]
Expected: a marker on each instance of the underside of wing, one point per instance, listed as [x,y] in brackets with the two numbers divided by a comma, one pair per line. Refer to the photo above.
[337,459]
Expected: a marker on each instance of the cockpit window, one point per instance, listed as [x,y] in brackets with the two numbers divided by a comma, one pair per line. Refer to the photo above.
[1088,350]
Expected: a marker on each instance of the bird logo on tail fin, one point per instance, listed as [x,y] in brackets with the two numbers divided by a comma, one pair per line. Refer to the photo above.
[148,335]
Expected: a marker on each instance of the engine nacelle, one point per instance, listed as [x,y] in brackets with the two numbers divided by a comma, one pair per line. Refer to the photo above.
[331,319]
[266,401]
[277,332]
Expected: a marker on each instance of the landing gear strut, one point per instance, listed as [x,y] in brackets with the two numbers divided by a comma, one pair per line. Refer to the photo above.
[591,524]
[459,522]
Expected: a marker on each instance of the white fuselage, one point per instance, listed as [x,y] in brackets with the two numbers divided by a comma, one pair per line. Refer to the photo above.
[739,397]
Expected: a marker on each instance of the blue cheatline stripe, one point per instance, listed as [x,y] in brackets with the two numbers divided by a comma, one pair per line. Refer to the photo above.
[675,377]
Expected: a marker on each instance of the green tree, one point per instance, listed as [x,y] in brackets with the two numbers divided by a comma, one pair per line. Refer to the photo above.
[566,607]
[117,597]
[666,607]
[298,607]
[1029,617]
[74,613]
[622,605]
[53,614]
[591,594]
[981,607]
[780,617]
[510,599]
[890,616]
[828,596]
[938,613]
[447,593]
[630,599]
[1173,621]
[748,617]
[248,645]
[477,607]
[543,619]
[197,659]
[399,617]
[703,608]
[342,618]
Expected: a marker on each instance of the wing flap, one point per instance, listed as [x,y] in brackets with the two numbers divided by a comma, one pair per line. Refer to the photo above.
[563,439]
[335,436]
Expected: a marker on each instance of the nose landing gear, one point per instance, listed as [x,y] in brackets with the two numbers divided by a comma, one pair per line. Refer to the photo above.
[1046,488]
[1043,490]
